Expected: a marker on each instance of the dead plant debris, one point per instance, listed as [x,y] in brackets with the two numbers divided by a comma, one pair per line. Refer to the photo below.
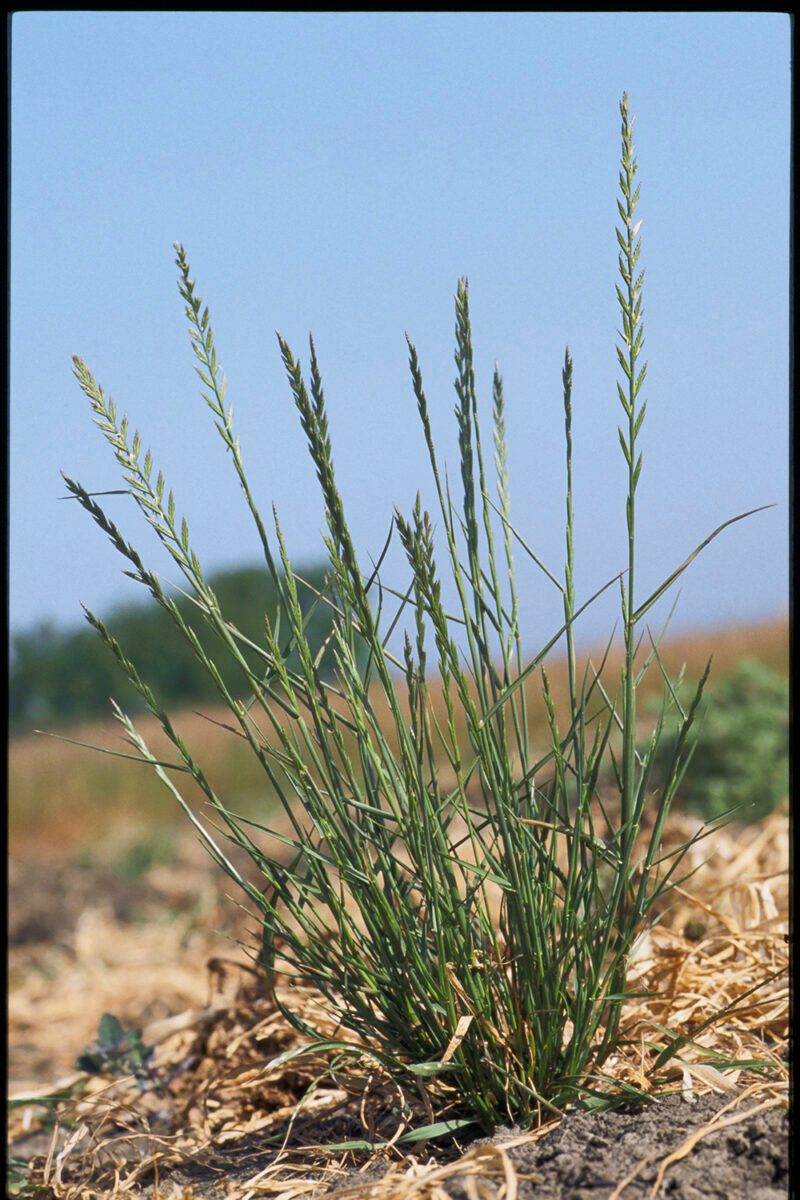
[231,1122]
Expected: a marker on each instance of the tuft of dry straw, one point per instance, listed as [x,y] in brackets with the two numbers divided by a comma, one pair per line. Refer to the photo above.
[715,967]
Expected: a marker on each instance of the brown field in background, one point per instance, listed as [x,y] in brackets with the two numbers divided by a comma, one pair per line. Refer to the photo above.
[64,798]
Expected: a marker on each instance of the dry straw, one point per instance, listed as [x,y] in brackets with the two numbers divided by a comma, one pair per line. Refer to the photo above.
[710,949]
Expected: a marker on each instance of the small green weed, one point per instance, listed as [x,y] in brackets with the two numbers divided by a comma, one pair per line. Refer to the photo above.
[17,1181]
[116,1052]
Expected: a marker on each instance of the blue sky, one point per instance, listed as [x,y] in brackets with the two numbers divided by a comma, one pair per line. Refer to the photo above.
[337,173]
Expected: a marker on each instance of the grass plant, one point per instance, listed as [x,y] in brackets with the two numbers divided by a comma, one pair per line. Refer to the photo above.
[474,937]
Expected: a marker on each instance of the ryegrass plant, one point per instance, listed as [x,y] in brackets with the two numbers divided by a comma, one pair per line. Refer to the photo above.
[476,938]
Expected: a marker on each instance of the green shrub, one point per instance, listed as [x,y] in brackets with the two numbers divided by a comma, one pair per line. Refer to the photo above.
[741,740]
[475,936]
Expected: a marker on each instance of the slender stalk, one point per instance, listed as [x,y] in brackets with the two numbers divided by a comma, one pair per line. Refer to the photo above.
[569,567]
[632,335]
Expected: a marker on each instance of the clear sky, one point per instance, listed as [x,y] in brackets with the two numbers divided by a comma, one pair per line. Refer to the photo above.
[337,173]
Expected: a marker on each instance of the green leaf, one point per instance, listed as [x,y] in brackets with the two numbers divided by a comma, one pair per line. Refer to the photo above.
[668,582]
[110,1033]
[90,1064]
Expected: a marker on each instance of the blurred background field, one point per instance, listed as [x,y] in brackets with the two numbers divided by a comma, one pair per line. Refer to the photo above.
[65,799]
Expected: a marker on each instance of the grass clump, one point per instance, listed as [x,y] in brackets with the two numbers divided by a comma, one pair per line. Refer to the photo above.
[474,937]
